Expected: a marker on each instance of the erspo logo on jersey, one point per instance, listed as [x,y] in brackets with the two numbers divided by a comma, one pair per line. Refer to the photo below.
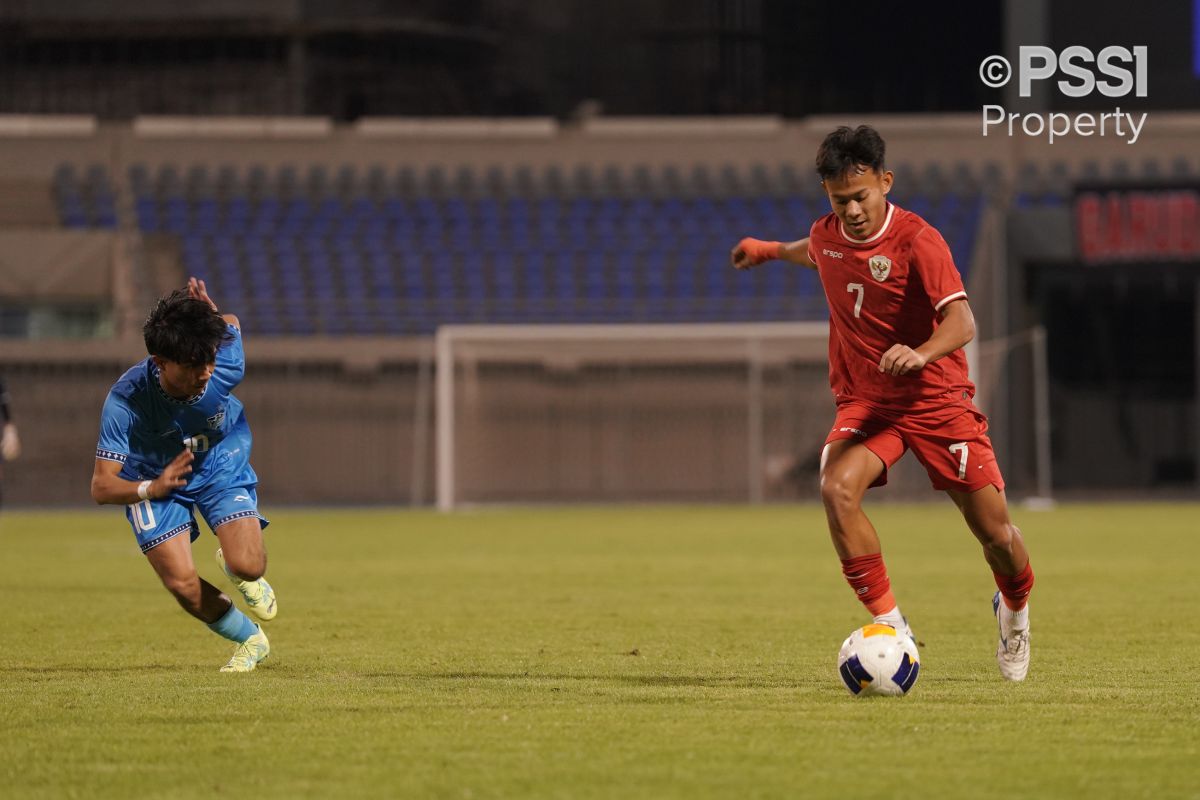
[1115,71]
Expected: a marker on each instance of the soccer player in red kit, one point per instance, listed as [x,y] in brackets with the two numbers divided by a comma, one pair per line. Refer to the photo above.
[898,320]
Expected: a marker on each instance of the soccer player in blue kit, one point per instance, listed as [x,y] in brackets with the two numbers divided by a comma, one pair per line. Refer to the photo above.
[173,439]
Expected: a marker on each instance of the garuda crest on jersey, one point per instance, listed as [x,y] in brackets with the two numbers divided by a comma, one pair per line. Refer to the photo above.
[214,422]
[881,267]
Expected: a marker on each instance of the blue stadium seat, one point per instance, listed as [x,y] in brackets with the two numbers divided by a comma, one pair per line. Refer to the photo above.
[373,251]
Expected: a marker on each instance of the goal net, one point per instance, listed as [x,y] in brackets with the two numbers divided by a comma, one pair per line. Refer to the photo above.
[723,412]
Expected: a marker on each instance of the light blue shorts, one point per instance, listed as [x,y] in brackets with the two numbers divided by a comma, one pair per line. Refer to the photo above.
[155,521]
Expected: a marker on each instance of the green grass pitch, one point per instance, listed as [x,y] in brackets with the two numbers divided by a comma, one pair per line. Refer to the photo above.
[575,653]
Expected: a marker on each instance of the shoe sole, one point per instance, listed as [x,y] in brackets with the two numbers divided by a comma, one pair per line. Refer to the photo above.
[244,671]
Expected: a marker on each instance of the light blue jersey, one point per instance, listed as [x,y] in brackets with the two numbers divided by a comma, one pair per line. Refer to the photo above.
[144,429]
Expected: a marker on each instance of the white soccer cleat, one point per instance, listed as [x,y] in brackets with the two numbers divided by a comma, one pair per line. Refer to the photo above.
[1012,653]
[907,630]
[902,628]
[260,597]
[249,653]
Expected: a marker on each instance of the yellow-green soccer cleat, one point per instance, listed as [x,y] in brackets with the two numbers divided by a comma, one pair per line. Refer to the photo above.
[249,653]
[260,597]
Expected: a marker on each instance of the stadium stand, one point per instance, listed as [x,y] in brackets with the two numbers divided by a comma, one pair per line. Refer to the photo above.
[86,201]
[389,251]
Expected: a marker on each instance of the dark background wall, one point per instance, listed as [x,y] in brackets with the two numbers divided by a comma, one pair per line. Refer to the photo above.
[517,57]
[492,57]
[1165,28]
[1122,342]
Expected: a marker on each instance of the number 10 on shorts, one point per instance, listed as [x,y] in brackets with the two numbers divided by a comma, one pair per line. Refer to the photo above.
[143,515]
[961,449]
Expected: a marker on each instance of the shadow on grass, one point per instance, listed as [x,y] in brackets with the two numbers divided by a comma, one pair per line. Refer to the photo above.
[667,681]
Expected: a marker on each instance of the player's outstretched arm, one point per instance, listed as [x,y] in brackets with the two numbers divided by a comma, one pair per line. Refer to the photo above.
[198,291]
[752,252]
[108,487]
[957,327]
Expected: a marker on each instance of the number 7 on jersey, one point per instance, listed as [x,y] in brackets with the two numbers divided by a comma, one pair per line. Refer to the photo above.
[856,287]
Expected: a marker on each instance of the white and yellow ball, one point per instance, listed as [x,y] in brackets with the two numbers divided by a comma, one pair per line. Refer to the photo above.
[879,660]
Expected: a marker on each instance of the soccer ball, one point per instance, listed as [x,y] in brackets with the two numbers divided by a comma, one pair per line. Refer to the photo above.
[878,660]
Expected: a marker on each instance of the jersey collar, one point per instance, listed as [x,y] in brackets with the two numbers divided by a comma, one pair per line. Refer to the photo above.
[154,378]
[887,221]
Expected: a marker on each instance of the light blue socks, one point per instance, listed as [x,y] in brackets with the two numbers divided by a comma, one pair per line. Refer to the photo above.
[234,626]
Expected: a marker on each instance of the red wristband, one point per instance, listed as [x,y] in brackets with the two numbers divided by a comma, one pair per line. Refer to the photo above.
[759,251]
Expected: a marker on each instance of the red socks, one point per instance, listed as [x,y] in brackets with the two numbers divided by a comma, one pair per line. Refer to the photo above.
[868,578]
[1015,589]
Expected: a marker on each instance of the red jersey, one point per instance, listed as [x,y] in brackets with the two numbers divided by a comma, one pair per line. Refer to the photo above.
[884,290]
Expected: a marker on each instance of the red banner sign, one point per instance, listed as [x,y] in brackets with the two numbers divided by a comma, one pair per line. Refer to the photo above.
[1142,224]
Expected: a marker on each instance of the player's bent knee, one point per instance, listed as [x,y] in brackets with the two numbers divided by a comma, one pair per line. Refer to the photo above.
[838,494]
[186,590]
[247,566]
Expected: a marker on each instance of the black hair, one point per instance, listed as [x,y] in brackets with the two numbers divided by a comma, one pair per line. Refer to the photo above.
[847,148]
[184,330]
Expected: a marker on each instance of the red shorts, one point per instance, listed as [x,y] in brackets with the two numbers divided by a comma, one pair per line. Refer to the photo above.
[950,442]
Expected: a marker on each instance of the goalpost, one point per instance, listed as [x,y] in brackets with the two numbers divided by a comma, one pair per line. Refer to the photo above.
[731,412]
[1014,377]
[604,412]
